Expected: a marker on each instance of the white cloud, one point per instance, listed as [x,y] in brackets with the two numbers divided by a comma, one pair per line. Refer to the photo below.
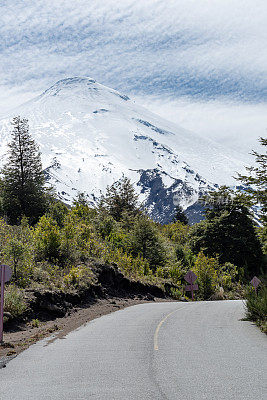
[208,57]
[235,125]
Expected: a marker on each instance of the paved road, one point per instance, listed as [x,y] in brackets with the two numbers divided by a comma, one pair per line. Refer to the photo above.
[151,351]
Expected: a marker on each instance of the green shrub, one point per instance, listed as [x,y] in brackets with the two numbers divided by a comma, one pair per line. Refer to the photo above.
[68,240]
[105,226]
[176,293]
[58,212]
[180,253]
[227,274]
[206,270]
[80,276]
[163,272]
[173,272]
[256,305]
[185,256]
[15,250]
[132,267]
[47,239]
[177,232]
[48,275]
[15,302]
[35,323]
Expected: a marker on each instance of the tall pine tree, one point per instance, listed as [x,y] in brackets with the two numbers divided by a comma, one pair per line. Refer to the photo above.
[23,191]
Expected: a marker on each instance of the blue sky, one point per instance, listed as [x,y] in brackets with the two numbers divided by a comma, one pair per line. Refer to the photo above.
[201,63]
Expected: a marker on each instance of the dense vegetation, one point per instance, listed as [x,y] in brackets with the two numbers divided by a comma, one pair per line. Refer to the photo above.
[54,246]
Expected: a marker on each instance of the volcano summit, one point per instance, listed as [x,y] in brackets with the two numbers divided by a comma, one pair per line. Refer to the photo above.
[91,135]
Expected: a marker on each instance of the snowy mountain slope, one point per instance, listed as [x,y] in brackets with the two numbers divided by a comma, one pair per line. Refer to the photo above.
[89,135]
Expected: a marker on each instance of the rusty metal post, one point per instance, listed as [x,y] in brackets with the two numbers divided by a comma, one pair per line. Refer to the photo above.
[2,302]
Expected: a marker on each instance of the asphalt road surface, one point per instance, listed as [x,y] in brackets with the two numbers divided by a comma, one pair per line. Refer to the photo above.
[154,351]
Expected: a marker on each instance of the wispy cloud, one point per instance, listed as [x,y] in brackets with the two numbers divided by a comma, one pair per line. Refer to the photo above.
[209,50]
[235,125]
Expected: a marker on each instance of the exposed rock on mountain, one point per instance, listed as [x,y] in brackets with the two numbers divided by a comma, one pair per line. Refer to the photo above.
[89,135]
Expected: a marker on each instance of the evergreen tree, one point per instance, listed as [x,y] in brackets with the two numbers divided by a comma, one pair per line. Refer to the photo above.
[23,191]
[146,242]
[257,180]
[120,199]
[228,232]
[180,215]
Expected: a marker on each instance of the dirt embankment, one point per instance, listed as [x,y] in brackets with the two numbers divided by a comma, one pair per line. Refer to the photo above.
[58,313]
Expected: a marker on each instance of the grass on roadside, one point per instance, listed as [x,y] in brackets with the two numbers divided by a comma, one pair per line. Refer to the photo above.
[256,308]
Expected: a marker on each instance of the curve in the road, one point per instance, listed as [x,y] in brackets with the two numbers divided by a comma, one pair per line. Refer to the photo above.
[152,351]
[156,345]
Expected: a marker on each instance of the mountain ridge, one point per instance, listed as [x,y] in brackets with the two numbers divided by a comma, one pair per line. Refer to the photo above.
[90,135]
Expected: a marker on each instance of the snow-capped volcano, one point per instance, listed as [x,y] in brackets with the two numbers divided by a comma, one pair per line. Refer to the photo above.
[91,135]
